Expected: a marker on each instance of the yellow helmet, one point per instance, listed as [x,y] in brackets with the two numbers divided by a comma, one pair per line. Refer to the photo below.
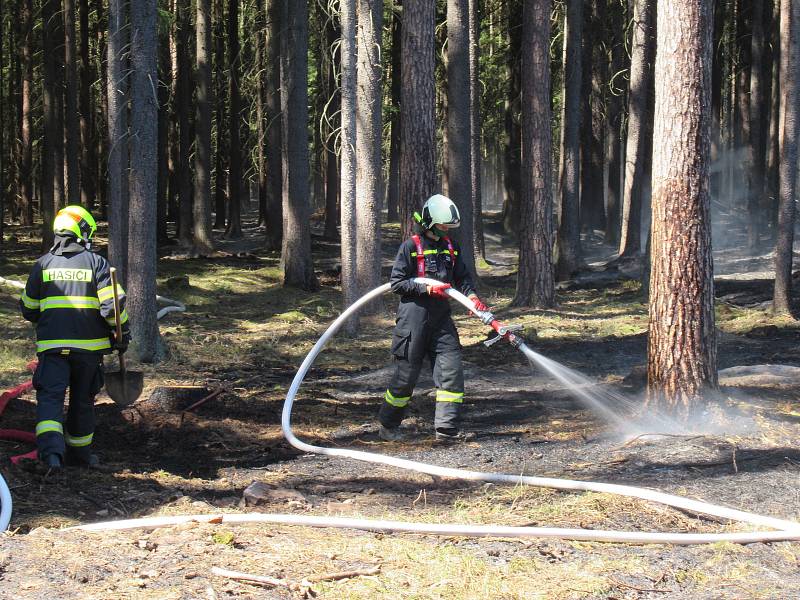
[75,220]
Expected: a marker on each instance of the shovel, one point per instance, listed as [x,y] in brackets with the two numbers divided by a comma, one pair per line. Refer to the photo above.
[123,386]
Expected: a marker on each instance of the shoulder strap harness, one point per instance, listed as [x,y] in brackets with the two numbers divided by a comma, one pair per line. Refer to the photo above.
[421,253]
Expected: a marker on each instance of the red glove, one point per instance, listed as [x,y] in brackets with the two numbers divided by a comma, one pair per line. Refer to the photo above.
[438,291]
[478,303]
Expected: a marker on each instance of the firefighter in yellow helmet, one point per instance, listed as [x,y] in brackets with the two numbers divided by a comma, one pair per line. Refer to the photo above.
[70,299]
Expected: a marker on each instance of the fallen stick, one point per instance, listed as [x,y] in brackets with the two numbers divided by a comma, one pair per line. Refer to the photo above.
[250,578]
[307,581]
[212,395]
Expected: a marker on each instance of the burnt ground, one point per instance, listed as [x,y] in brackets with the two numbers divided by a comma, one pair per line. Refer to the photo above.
[159,460]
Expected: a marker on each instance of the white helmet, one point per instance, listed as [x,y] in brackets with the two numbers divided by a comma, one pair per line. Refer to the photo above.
[438,210]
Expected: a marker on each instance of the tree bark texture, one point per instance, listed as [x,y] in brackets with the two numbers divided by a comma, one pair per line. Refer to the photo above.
[201,207]
[221,83]
[568,241]
[272,107]
[639,143]
[682,353]
[118,94]
[298,269]
[459,139]
[88,141]
[535,279]
[755,144]
[143,168]
[616,98]
[183,102]
[234,229]
[787,168]
[26,132]
[332,120]
[369,138]
[347,53]
[511,171]
[72,134]
[475,137]
[417,110]
[393,191]
[52,135]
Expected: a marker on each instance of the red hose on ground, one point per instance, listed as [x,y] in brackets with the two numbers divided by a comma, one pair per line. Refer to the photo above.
[15,434]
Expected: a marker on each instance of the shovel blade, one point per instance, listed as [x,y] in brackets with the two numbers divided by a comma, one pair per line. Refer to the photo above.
[124,388]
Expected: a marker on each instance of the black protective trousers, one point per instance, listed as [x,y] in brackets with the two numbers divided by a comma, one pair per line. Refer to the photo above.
[82,373]
[414,339]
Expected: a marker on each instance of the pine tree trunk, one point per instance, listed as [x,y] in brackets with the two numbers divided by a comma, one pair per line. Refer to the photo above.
[274,140]
[201,207]
[682,353]
[568,241]
[789,132]
[639,143]
[26,137]
[459,142]
[183,103]
[296,262]
[234,229]
[756,144]
[143,166]
[347,49]
[535,279]
[72,116]
[88,142]
[369,139]
[512,175]
[393,189]
[614,125]
[220,174]
[52,135]
[475,144]
[101,131]
[164,90]
[59,174]
[118,82]
[417,114]
[773,139]
[333,34]
[261,158]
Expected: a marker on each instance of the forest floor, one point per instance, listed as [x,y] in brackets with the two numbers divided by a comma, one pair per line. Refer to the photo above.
[246,335]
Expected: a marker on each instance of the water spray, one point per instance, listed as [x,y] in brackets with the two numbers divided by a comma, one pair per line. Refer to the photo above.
[784,529]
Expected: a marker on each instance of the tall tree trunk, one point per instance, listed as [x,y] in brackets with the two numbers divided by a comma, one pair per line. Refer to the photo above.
[72,121]
[614,124]
[274,139]
[742,124]
[59,175]
[101,130]
[773,139]
[261,157]
[393,191]
[512,175]
[296,262]
[475,137]
[220,177]
[332,119]
[639,144]
[593,81]
[88,142]
[26,137]
[459,165]
[118,82]
[535,279]
[756,144]
[417,109]
[347,52]
[201,207]
[789,132]
[682,351]
[369,138]
[568,241]
[143,166]
[183,102]
[234,229]
[164,92]
[53,136]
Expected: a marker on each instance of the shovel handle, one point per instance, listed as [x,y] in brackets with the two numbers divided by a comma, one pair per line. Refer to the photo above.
[117,318]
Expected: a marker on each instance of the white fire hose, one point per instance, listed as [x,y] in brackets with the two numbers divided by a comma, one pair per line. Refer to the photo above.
[784,530]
